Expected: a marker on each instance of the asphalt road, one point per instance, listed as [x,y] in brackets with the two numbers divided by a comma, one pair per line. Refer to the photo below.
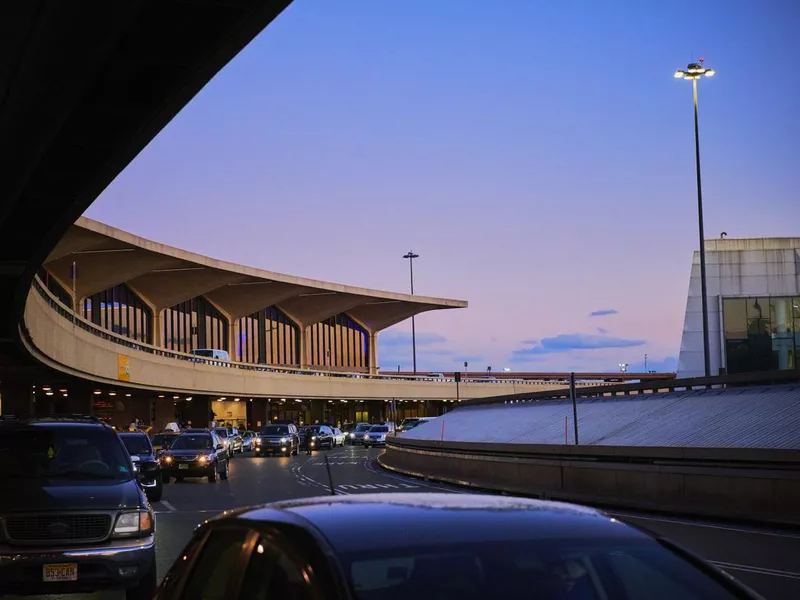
[768,560]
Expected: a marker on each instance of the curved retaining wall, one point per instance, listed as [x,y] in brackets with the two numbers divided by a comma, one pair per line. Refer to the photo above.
[750,484]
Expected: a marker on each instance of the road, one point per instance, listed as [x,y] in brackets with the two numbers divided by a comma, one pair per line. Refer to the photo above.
[768,560]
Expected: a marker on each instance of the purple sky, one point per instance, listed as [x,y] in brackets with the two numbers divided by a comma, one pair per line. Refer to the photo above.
[537,155]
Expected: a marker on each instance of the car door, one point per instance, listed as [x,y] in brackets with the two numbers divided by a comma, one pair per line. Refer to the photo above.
[220,455]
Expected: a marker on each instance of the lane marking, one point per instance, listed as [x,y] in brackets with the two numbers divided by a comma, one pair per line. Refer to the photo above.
[403,480]
[758,570]
[777,534]
[168,506]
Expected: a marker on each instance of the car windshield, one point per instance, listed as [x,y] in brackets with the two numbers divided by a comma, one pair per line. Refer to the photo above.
[223,433]
[62,452]
[192,442]
[136,444]
[544,569]
[275,430]
[163,440]
[363,427]
[379,429]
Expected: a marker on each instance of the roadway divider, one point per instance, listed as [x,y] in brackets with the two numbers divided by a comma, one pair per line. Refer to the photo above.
[734,483]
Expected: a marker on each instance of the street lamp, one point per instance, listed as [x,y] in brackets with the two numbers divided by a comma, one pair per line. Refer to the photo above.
[411,256]
[694,72]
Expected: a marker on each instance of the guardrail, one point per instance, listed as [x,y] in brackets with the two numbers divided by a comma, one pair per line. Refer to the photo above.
[82,323]
[752,484]
[646,387]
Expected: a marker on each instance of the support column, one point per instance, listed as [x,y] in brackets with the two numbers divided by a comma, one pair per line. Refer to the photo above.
[317,410]
[305,346]
[372,348]
[164,411]
[198,411]
[158,328]
[16,397]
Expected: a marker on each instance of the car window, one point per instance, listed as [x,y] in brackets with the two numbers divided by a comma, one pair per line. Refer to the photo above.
[62,452]
[557,569]
[211,573]
[272,574]
[192,442]
[136,444]
[163,440]
[275,430]
[223,433]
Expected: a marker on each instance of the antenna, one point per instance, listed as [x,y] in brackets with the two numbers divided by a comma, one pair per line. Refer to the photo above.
[330,477]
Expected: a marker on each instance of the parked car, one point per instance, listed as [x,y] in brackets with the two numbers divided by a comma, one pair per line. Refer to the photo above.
[73,517]
[316,436]
[226,435]
[443,546]
[162,441]
[277,439]
[143,456]
[356,434]
[247,440]
[196,455]
[377,434]
[409,424]
[338,437]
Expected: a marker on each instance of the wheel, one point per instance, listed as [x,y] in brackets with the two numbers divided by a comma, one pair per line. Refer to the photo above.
[145,588]
[212,477]
[224,474]
[158,491]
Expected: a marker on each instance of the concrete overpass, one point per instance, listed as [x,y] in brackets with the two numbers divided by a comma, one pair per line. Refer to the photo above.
[84,87]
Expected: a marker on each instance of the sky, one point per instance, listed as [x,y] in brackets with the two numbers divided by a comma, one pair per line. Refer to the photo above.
[538,156]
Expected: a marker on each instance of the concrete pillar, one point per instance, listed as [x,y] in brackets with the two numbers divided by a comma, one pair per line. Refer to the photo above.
[198,411]
[317,410]
[163,411]
[372,347]
[305,346]
[16,398]
[158,328]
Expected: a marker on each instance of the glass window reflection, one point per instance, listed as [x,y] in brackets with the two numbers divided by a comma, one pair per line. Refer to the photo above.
[760,333]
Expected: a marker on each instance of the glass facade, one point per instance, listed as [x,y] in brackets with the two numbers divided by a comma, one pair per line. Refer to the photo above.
[193,325]
[761,334]
[55,287]
[120,310]
[268,337]
[339,342]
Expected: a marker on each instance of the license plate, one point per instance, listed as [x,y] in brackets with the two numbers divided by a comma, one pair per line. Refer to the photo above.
[65,572]
[183,466]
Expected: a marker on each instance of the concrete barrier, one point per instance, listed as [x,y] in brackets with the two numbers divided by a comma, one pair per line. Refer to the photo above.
[750,484]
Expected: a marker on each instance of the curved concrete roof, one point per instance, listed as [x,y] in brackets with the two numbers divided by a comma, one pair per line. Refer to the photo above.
[84,86]
[164,276]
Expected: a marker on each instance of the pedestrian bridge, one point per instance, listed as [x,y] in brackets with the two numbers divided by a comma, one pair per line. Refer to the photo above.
[71,344]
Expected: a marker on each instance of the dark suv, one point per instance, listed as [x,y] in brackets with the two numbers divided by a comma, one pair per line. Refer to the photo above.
[145,463]
[196,455]
[277,439]
[73,516]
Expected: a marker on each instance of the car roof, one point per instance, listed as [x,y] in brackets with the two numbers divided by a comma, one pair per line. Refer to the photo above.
[133,433]
[66,421]
[407,519]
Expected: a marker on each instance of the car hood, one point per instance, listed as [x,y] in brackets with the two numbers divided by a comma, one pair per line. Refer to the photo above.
[144,457]
[277,436]
[189,452]
[57,494]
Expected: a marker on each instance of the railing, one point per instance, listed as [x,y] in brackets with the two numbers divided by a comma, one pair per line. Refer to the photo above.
[693,481]
[85,325]
[592,390]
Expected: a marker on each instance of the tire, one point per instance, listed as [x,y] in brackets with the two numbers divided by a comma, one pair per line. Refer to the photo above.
[224,475]
[158,491]
[212,477]
[145,588]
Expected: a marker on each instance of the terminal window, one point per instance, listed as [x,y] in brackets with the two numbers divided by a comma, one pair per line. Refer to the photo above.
[761,334]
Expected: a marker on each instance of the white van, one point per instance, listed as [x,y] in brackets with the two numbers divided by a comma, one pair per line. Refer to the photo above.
[212,354]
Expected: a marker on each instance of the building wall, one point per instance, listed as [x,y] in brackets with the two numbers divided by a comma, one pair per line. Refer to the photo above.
[762,270]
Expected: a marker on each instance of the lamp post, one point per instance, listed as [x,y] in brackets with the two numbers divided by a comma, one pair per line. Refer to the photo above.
[411,256]
[693,72]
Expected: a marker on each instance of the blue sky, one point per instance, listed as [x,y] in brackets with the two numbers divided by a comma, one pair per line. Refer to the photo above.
[537,155]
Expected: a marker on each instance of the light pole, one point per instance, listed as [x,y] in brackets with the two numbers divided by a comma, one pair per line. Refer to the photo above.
[411,256]
[694,72]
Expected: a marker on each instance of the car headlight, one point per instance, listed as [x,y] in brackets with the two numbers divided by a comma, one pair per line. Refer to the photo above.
[313,437]
[366,436]
[132,523]
[284,440]
[168,459]
[202,459]
[352,435]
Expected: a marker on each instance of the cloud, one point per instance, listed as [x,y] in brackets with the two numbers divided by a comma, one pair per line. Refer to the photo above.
[603,313]
[395,339]
[600,330]
[567,342]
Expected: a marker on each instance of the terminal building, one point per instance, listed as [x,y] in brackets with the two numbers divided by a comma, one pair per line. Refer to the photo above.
[753,307]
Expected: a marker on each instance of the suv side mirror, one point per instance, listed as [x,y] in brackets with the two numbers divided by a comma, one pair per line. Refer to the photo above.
[220,446]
